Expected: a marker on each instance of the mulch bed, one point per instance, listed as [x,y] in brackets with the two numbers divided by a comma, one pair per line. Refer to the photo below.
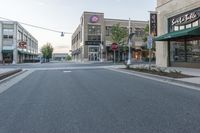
[7,74]
[166,74]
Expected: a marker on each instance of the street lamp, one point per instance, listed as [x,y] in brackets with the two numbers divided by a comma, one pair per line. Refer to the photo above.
[129,43]
[62,34]
[101,46]
[101,52]
[129,52]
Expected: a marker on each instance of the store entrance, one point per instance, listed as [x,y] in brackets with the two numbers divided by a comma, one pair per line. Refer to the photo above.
[7,57]
[93,56]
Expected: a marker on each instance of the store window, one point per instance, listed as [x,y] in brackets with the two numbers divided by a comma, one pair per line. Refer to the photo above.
[94,38]
[19,36]
[94,29]
[185,52]
[182,27]
[193,51]
[188,26]
[8,26]
[25,38]
[177,52]
[108,30]
[196,23]
[139,32]
[8,33]
[93,49]
[176,28]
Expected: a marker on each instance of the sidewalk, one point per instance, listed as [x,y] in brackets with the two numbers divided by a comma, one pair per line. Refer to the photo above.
[189,71]
[194,81]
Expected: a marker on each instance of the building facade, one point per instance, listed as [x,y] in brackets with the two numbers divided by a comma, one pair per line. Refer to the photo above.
[178,43]
[59,56]
[92,40]
[17,45]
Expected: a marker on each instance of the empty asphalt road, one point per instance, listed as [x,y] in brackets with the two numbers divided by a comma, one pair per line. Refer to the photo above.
[97,101]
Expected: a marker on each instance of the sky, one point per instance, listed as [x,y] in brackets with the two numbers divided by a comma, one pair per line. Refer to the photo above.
[64,15]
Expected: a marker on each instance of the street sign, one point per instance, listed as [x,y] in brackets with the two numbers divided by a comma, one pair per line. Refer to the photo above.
[149,42]
[114,46]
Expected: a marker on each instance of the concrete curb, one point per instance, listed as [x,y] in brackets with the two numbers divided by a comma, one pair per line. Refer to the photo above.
[9,73]
[159,78]
[12,76]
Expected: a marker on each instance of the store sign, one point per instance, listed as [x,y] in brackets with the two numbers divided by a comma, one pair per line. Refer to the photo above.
[92,42]
[153,24]
[94,19]
[186,18]
[22,44]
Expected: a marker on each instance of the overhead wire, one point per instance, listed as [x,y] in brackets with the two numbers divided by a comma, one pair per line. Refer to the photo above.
[35,26]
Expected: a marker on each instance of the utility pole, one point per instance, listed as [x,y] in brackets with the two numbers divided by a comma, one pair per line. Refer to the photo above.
[129,44]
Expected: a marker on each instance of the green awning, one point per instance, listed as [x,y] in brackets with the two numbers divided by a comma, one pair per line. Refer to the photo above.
[191,32]
[22,52]
[7,51]
[25,52]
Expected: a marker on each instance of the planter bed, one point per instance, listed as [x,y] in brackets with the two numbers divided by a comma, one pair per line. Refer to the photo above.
[7,74]
[171,74]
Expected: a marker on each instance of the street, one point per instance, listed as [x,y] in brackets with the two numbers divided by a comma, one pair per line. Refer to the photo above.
[96,101]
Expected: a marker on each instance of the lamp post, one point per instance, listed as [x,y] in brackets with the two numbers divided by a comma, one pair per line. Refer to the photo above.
[152,32]
[129,44]
[101,46]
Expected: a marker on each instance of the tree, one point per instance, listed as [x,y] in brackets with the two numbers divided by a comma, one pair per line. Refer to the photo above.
[47,51]
[119,36]
[68,58]
[146,33]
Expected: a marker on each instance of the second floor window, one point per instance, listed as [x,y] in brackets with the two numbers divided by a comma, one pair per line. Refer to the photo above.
[139,32]
[108,30]
[8,33]
[94,29]
[94,38]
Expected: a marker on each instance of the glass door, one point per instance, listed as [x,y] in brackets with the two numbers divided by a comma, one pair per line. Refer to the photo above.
[93,56]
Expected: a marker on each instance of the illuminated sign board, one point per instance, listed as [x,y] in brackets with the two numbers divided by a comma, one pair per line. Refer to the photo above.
[94,19]
[185,18]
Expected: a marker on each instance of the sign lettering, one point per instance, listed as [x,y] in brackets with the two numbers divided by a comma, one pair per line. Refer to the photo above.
[185,18]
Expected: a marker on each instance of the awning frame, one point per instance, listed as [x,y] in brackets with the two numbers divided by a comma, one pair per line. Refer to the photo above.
[191,32]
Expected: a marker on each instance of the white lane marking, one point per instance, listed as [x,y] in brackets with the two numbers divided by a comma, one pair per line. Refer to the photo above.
[76,67]
[67,71]
[7,84]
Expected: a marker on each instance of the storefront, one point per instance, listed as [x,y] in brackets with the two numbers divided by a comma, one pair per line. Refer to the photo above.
[183,39]
[17,45]
[93,53]
[7,56]
[94,37]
